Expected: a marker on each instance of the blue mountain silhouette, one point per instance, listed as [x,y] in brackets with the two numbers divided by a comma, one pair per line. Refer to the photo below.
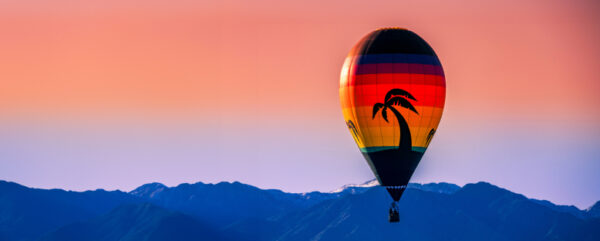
[27,213]
[236,211]
[137,222]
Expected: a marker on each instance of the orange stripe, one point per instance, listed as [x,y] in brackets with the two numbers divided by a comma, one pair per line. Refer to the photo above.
[364,115]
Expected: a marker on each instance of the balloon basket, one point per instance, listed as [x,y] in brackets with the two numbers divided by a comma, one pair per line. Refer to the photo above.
[394,215]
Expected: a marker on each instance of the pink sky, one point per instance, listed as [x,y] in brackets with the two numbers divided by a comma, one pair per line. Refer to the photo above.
[110,80]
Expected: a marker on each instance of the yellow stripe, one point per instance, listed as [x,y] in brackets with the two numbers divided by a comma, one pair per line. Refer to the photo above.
[377,132]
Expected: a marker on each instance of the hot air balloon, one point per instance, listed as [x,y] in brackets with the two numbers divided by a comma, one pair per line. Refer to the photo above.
[392,92]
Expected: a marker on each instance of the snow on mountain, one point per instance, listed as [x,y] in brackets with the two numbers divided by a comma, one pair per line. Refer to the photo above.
[353,187]
[149,190]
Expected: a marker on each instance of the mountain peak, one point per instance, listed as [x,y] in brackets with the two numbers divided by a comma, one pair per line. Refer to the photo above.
[149,190]
[367,184]
[485,192]
[482,186]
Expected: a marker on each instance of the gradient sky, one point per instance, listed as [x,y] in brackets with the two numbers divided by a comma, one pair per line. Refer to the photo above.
[113,94]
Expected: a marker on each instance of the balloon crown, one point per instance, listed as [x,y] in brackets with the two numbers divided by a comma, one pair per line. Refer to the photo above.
[390,28]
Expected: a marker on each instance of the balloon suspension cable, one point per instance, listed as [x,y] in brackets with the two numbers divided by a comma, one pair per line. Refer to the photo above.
[394,212]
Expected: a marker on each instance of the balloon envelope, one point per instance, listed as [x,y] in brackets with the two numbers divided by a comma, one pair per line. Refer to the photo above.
[392,91]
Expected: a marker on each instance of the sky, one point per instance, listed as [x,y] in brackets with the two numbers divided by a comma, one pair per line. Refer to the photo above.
[114,94]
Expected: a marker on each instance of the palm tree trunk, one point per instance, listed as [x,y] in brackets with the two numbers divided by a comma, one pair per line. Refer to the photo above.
[405,138]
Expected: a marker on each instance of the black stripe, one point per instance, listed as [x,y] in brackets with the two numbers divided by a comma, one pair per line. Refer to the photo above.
[388,41]
[393,167]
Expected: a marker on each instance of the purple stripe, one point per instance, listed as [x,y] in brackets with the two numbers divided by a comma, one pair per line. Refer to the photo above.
[401,68]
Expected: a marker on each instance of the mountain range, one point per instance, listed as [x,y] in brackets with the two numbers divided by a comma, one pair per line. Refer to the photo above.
[236,211]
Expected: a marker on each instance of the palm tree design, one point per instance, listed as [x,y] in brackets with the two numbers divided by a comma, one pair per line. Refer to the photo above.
[398,97]
[430,135]
[352,127]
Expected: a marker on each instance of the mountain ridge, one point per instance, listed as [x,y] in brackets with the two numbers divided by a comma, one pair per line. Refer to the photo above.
[238,211]
[142,221]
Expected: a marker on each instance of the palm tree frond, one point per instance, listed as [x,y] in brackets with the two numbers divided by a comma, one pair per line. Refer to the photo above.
[376,108]
[399,92]
[401,102]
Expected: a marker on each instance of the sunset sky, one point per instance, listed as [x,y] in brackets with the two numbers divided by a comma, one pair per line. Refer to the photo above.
[114,94]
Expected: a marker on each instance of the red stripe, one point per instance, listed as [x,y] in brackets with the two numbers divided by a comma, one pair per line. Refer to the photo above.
[378,79]
[426,95]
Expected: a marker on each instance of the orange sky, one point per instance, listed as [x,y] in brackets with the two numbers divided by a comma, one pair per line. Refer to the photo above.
[64,58]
